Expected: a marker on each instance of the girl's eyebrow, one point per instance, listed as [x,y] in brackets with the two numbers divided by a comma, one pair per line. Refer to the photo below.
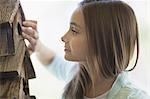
[73,23]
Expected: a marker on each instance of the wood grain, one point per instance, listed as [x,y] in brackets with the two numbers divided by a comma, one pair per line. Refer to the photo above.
[15,65]
[9,89]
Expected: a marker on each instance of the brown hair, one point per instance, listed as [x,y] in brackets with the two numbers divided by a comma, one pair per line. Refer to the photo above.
[112,35]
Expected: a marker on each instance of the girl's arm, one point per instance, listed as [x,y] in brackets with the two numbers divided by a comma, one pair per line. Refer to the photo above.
[44,54]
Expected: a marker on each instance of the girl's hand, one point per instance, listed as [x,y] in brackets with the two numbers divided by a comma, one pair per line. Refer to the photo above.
[29,32]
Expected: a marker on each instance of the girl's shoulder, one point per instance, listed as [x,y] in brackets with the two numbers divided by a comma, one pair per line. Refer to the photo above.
[130,92]
[124,88]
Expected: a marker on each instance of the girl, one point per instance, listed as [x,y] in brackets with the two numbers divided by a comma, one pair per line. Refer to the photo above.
[102,38]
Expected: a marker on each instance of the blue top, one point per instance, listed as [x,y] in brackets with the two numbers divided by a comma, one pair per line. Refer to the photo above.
[121,89]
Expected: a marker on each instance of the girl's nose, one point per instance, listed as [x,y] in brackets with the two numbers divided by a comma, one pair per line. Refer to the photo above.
[62,39]
[65,37]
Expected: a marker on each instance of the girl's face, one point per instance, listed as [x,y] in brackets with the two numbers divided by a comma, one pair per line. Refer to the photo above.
[75,38]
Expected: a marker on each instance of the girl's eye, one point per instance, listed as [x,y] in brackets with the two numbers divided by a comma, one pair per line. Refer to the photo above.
[74,32]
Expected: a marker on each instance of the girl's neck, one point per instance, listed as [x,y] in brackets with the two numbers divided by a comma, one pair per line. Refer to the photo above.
[100,87]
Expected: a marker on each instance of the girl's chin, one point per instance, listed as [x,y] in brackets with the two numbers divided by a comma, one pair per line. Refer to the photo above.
[69,57]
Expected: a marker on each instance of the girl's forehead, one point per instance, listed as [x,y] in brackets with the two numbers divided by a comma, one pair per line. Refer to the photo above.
[76,13]
[77,17]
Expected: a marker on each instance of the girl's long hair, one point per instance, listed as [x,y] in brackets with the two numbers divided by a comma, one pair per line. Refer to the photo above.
[112,35]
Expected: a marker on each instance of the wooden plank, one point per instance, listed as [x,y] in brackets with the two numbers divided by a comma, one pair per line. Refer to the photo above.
[13,63]
[14,89]
[6,40]
[8,75]
[10,19]
[8,9]
[8,26]
[11,89]
[30,97]
[16,35]
[29,70]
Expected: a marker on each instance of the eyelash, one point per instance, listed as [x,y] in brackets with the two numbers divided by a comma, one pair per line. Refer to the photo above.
[74,32]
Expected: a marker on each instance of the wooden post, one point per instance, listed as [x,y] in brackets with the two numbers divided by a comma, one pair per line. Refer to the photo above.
[15,64]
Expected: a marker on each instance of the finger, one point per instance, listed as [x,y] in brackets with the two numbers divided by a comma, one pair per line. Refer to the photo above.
[34,21]
[30,48]
[30,23]
[30,39]
[36,36]
[30,52]
[30,32]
